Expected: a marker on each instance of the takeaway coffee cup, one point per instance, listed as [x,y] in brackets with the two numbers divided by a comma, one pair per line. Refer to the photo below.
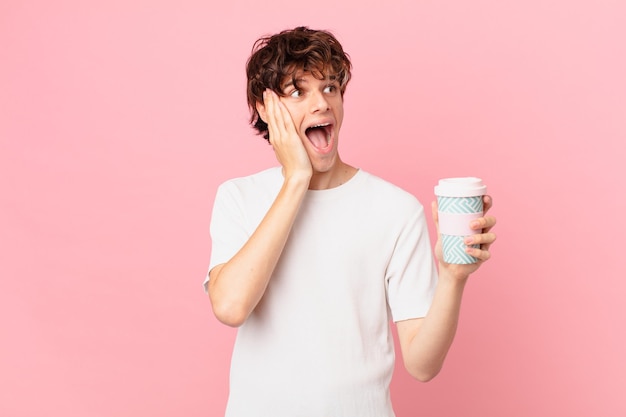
[459,200]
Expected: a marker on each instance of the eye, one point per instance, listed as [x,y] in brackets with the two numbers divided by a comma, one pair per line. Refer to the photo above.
[330,88]
[295,93]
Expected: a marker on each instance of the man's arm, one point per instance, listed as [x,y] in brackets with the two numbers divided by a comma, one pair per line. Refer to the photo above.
[236,287]
[425,342]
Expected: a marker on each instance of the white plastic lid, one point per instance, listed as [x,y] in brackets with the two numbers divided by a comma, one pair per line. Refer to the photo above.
[460,187]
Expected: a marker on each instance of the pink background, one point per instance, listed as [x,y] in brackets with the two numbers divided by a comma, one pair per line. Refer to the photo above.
[118,120]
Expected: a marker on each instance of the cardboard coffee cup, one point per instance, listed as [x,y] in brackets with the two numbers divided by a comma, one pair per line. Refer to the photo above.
[459,200]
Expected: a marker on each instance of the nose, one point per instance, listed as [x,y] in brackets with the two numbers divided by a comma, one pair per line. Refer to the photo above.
[319,104]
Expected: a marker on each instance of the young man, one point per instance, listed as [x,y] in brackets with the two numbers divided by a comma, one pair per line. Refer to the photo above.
[313,259]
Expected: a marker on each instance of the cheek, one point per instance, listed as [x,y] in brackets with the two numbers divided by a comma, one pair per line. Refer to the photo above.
[338,108]
[297,117]
[339,116]
[296,113]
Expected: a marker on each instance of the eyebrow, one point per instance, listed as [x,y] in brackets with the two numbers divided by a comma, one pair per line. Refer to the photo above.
[291,82]
[330,78]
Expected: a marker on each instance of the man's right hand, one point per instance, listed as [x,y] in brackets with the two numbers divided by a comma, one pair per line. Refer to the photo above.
[284,137]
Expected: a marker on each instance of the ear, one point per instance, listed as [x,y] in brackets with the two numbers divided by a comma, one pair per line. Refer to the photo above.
[260,108]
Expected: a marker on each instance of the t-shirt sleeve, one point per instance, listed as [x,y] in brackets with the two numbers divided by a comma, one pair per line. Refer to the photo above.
[228,227]
[411,273]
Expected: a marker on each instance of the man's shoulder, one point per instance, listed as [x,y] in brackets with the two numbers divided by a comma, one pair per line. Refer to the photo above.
[268,176]
[257,187]
[387,189]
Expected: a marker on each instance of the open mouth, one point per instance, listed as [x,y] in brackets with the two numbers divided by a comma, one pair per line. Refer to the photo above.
[320,135]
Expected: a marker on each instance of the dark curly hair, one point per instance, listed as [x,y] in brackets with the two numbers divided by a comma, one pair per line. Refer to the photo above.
[276,57]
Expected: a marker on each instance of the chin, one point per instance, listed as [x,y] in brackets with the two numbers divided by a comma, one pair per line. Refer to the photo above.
[325,164]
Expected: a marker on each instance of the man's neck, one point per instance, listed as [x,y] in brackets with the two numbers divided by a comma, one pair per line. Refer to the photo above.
[339,175]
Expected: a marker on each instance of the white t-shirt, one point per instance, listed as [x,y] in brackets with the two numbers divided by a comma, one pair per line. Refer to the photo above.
[319,343]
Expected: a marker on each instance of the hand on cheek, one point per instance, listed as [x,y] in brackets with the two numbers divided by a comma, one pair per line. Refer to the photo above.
[284,137]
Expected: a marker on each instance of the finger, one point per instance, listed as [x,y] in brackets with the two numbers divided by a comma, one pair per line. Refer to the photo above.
[275,120]
[485,239]
[480,254]
[287,121]
[487,203]
[483,223]
[270,98]
[269,111]
[435,210]
[490,221]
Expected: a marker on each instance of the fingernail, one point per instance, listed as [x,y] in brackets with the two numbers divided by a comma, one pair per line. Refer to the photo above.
[469,240]
[475,224]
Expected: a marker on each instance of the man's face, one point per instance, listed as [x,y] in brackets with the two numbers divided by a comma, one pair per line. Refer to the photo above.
[316,108]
